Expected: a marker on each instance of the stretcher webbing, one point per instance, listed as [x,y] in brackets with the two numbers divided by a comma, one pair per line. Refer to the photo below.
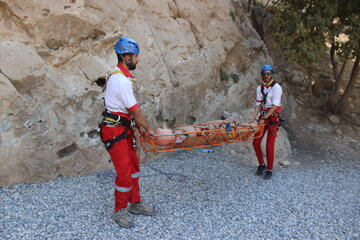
[204,138]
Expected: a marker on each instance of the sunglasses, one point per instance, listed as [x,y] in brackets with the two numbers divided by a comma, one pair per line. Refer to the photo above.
[266,74]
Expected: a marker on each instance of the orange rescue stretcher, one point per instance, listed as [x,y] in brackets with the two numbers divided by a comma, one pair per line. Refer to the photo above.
[202,135]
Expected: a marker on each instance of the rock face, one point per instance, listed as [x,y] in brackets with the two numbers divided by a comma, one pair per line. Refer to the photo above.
[197,60]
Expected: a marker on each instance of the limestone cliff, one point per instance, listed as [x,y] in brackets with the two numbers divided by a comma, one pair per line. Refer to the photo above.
[198,59]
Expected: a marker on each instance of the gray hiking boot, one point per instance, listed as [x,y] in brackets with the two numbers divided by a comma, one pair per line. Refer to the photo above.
[123,219]
[141,208]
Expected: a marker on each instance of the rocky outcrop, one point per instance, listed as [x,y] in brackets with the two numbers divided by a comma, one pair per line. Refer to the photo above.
[197,60]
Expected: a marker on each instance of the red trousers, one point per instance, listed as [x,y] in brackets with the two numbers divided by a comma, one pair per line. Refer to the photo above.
[270,142]
[126,163]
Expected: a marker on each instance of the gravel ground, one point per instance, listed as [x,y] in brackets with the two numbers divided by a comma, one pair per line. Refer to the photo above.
[198,195]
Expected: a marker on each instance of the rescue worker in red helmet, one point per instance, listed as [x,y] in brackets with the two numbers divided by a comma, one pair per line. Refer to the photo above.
[268,104]
[121,109]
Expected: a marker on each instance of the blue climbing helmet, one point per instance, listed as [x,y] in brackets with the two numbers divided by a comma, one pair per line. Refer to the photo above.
[126,45]
[267,68]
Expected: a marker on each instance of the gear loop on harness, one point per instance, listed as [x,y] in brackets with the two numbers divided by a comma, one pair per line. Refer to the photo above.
[115,120]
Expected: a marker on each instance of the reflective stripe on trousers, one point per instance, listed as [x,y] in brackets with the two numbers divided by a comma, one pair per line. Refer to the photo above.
[122,189]
[136,175]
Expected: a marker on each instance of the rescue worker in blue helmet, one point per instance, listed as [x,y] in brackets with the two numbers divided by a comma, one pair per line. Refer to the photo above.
[268,104]
[121,112]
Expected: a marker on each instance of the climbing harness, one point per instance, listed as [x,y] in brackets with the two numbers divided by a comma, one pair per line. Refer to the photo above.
[114,120]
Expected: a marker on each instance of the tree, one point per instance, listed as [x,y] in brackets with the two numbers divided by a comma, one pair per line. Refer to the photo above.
[306,29]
